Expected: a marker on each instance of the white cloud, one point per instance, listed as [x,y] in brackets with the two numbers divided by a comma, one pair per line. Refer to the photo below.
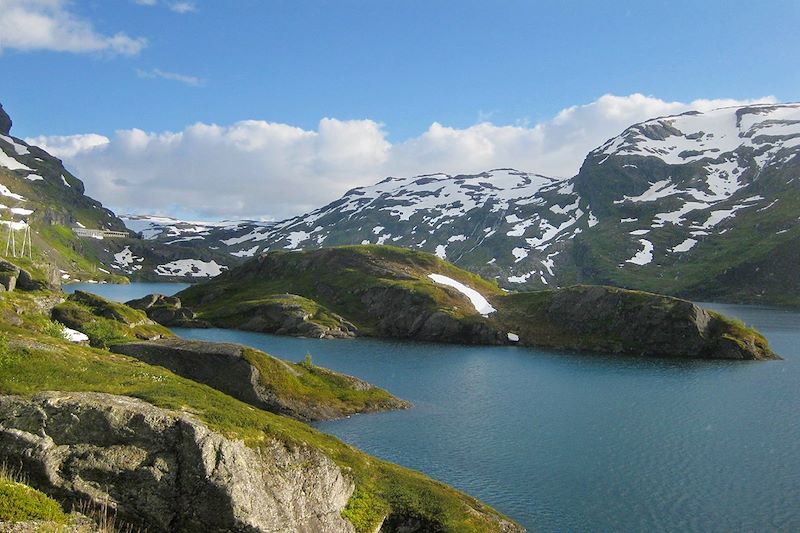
[194,81]
[66,146]
[177,7]
[49,25]
[183,7]
[257,168]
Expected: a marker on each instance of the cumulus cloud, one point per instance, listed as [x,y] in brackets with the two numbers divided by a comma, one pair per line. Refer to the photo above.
[156,73]
[67,146]
[256,168]
[49,25]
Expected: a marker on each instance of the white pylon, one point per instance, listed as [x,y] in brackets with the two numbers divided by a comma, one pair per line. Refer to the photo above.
[26,240]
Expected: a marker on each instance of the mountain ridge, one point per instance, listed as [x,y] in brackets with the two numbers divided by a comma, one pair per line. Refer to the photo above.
[686,197]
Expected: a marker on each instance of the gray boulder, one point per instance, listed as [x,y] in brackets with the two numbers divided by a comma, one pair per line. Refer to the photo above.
[167,471]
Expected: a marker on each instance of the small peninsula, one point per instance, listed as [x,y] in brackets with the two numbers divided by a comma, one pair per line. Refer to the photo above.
[383,291]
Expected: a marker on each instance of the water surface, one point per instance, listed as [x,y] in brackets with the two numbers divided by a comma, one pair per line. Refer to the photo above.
[572,442]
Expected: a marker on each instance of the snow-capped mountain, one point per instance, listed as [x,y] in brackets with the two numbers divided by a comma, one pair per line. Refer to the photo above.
[666,205]
[208,235]
[699,204]
[460,218]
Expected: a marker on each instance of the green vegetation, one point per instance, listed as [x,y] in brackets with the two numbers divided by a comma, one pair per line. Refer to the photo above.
[46,363]
[310,385]
[105,322]
[19,502]
[333,280]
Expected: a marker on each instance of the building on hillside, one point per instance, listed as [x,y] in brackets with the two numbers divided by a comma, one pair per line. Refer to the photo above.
[100,233]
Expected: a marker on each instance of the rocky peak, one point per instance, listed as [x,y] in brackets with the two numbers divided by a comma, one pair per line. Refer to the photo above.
[5,121]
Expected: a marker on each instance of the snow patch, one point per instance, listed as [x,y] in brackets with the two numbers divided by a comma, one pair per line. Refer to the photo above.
[643,256]
[194,268]
[480,303]
[73,335]
[685,246]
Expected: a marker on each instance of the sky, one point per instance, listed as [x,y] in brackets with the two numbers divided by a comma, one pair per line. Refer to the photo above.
[268,108]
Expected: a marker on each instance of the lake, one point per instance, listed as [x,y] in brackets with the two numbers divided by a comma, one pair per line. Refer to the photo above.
[572,442]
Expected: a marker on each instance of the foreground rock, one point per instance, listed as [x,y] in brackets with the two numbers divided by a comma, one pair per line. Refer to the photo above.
[165,471]
[611,320]
[303,391]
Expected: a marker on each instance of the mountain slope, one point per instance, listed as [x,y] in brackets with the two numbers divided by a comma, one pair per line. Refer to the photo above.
[702,205]
[36,190]
[709,203]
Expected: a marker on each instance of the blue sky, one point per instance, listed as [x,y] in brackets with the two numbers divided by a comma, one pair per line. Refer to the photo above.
[403,65]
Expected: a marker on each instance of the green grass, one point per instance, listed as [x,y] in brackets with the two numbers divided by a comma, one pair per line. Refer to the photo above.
[307,384]
[332,280]
[19,502]
[105,322]
[39,362]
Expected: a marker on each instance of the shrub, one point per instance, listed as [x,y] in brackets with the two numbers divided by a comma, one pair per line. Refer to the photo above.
[53,329]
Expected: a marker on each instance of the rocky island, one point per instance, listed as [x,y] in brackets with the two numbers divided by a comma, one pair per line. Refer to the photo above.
[383,291]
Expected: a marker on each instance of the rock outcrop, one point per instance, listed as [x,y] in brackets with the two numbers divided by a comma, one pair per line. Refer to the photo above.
[14,277]
[167,311]
[167,471]
[408,314]
[5,122]
[234,370]
[289,314]
[611,320]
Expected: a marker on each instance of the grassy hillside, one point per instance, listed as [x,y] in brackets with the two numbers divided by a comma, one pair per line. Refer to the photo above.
[387,292]
[335,280]
[32,359]
[106,323]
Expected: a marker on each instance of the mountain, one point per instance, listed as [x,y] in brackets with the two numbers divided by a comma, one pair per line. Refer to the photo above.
[702,205]
[37,191]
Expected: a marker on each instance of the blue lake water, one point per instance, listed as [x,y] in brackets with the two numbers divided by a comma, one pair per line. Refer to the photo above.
[571,442]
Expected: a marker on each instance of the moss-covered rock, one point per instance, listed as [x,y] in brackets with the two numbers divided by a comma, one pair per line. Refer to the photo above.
[106,322]
[300,390]
[612,320]
[167,311]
